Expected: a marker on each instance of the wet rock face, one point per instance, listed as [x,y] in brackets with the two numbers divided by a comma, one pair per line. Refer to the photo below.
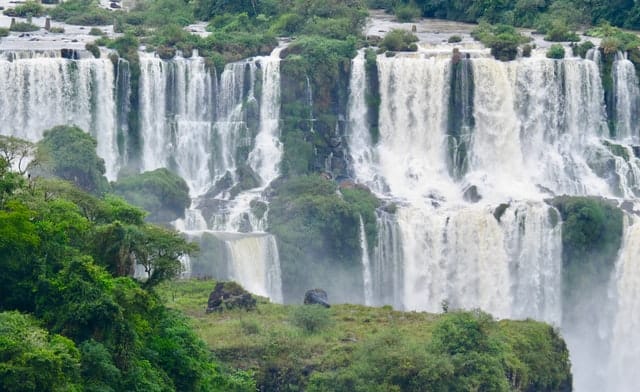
[230,295]
[316,297]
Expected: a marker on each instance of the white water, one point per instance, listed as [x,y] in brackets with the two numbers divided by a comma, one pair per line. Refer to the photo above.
[627,99]
[41,90]
[625,346]
[366,265]
[539,129]
[267,153]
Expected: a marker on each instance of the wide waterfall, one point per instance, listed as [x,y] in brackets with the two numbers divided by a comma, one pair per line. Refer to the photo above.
[469,150]
[40,90]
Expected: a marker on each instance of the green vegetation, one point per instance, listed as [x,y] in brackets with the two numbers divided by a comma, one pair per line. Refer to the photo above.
[69,153]
[376,349]
[592,231]
[23,27]
[161,192]
[318,231]
[406,12]
[502,39]
[555,51]
[4,32]
[29,8]
[399,40]
[539,14]
[72,317]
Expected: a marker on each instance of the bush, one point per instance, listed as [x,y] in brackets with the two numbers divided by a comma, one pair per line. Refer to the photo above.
[559,32]
[4,32]
[24,27]
[407,12]
[454,39]
[526,50]
[311,318]
[94,49]
[164,194]
[582,49]
[399,40]
[29,8]
[57,30]
[556,51]
[502,39]
[96,31]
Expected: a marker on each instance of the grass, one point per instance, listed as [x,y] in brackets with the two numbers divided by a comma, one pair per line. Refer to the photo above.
[277,337]
[301,347]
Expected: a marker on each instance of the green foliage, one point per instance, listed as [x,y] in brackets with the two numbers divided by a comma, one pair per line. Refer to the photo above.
[582,48]
[559,32]
[161,192]
[69,153]
[406,12]
[555,51]
[502,39]
[399,40]
[592,231]
[81,12]
[55,242]
[317,231]
[31,359]
[311,318]
[94,49]
[24,27]
[96,31]
[29,8]
[454,39]
[4,32]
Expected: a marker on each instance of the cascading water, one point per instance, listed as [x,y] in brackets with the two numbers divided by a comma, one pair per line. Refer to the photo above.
[471,227]
[204,130]
[625,346]
[366,265]
[627,99]
[40,90]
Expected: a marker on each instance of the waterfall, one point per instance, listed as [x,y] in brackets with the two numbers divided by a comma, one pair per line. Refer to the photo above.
[360,145]
[249,259]
[154,130]
[625,352]
[366,265]
[386,265]
[41,90]
[533,243]
[627,95]
[267,153]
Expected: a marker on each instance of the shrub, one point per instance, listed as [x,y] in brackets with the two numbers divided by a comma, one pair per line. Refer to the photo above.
[556,51]
[502,39]
[164,194]
[559,32]
[96,31]
[29,8]
[454,39]
[582,49]
[399,40]
[57,30]
[311,318]
[4,32]
[94,49]
[24,27]
[407,12]
[526,50]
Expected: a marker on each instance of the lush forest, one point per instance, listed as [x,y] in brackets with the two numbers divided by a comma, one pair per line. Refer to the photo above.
[72,317]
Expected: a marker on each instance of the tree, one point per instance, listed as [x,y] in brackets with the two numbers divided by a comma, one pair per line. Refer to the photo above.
[16,152]
[69,153]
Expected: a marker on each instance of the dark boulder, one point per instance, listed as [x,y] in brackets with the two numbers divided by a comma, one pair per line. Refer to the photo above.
[316,297]
[229,295]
